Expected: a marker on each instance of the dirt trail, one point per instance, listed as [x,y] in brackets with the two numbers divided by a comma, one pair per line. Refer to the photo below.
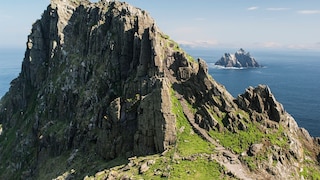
[224,156]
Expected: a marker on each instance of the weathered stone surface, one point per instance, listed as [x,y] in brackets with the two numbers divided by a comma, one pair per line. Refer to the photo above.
[96,71]
[155,134]
[261,100]
[254,149]
[144,168]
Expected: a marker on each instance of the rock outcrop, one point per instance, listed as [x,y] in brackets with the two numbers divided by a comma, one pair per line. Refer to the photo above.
[240,59]
[103,92]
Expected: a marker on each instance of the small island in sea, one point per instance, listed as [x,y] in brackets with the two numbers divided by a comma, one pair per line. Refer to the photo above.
[241,59]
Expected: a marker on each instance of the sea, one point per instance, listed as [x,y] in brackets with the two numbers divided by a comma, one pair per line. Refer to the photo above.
[293,77]
[10,66]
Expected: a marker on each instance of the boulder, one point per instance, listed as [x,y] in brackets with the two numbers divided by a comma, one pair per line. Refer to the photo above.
[254,149]
[144,168]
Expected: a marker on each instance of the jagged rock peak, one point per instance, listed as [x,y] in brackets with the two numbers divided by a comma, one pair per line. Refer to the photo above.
[241,59]
[261,100]
[63,10]
[241,51]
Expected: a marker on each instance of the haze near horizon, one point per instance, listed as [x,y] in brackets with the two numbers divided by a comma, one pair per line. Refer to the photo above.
[287,24]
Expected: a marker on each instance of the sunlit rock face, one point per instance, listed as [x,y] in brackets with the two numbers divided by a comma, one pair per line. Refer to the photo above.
[241,59]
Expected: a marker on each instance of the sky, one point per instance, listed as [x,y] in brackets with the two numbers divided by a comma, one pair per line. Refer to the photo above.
[264,24]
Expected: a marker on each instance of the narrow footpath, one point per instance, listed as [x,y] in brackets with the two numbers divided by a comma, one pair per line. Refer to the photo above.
[224,156]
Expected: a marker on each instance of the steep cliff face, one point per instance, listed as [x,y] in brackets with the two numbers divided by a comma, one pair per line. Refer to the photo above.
[100,82]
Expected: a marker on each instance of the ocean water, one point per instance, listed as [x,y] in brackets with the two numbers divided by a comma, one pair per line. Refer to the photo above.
[293,77]
[10,67]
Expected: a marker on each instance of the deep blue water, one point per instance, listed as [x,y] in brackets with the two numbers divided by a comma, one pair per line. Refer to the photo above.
[294,79]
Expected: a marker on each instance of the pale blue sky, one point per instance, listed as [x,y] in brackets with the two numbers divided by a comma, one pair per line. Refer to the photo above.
[293,24]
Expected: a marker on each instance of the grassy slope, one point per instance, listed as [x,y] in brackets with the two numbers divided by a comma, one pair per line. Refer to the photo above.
[188,159]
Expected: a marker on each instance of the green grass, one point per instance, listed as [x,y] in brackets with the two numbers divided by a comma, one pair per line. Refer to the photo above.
[278,138]
[242,140]
[251,163]
[216,117]
[165,36]
[188,141]
[309,172]
[190,58]
[174,163]
[198,169]
[82,165]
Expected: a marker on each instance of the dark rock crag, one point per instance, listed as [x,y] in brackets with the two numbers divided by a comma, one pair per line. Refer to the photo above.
[96,84]
[241,59]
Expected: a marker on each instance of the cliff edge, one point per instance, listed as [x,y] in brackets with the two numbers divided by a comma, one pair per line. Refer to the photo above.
[104,94]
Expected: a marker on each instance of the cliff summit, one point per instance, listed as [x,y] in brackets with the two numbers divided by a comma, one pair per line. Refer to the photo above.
[104,94]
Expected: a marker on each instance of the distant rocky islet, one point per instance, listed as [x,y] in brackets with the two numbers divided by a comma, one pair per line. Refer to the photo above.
[240,59]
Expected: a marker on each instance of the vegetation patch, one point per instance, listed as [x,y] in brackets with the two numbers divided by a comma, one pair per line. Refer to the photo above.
[175,46]
[241,140]
[198,169]
[190,58]
[310,172]
[251,162]
[188,142]
[7,140]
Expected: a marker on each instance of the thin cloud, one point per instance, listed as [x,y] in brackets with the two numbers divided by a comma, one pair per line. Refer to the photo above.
[252,8]
[268,44]
[308,46]
[271,44]
[209,43]
[309,12]
[277,9]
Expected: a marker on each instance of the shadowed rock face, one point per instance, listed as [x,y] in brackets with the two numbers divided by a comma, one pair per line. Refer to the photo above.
[96,66]
[97,79]
[239,59]
[95,74]
[262,101]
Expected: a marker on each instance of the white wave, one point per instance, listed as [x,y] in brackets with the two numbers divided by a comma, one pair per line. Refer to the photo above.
[212,65]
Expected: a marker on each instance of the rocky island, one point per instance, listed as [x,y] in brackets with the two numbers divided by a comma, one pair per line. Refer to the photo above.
[241,59]
[104,94]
